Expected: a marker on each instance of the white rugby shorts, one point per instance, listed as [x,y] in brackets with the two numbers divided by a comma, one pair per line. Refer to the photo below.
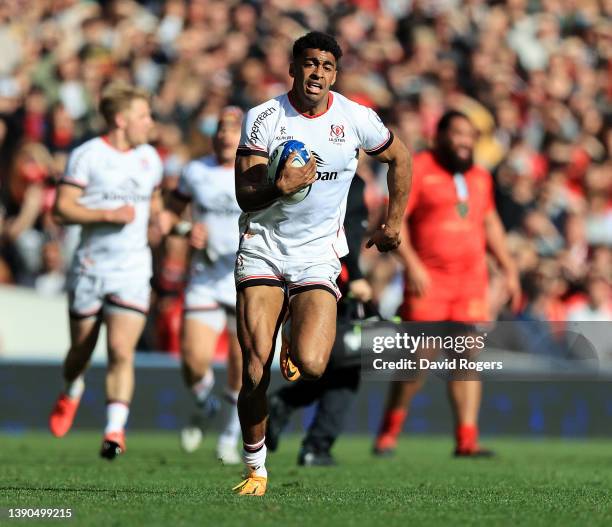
[210,297]
[89,294]
[293,277]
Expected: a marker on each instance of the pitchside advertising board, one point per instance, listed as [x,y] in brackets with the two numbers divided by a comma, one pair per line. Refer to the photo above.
[568,408]
[540,380]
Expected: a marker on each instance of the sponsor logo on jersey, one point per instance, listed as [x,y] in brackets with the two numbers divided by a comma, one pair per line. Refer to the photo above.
[128,192]
[326,176]
[336,133]
[323,175]
[283,135]
[126,197]
[131,183]
[318,159]
[223,206]
[254,134]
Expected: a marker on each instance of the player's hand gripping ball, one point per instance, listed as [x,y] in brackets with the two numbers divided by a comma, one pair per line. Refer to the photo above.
[277,161]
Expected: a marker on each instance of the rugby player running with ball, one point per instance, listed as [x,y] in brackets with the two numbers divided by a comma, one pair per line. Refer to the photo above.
[288,258]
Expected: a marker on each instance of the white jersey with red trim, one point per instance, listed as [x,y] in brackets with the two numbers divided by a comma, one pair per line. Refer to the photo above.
[111,178]
[310,230]
[210,188]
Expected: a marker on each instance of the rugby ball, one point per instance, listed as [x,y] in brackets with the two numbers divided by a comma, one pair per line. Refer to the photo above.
[277,161]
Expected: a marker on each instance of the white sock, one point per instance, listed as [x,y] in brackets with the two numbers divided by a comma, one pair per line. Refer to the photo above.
[202,388]
[75,389]
[231,428]
[116,416]
[254,457]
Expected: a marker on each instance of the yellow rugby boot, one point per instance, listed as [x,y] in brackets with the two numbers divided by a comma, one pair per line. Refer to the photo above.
[252,486]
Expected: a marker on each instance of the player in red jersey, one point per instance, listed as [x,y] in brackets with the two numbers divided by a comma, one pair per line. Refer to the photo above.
[451,223]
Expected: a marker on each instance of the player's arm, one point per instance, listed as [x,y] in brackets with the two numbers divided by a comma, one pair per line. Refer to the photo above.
[157,203]
[399,179]
[416,275]
[29,211]
[174,206]
[171,221]
[157,218]
[68,210]
[253,191]
[495,235]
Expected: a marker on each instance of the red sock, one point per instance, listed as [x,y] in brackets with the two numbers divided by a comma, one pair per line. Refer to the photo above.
[466,437]
[393,422]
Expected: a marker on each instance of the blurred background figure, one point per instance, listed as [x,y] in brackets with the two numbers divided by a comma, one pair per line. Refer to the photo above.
[207,186]
[450,224]
[110,189]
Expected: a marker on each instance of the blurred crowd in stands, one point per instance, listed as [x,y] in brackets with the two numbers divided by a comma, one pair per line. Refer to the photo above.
[535,77]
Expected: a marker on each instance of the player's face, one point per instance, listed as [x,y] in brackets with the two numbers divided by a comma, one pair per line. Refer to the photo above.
[226,140]
[137,122]
[458,143]
[314,73]
[461,138]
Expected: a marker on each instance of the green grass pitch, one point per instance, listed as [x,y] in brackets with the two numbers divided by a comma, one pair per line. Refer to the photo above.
[546,482]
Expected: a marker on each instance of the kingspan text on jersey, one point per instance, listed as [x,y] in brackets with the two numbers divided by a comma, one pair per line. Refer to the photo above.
[326,176]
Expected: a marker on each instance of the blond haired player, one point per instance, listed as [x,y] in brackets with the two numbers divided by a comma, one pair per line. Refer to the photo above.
[110,189]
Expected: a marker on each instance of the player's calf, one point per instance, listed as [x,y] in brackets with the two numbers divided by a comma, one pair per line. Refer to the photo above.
[120,374]
[254,378]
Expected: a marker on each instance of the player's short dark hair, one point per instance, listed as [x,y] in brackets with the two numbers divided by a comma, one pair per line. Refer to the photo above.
[317,40]
[446,120]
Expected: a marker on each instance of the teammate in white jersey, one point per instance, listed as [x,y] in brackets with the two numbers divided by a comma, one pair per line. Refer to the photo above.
[110,189]
[210,300]
[288,255]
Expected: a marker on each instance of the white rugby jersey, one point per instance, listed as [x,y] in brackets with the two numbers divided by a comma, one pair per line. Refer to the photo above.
[111,178]
[211,189]
[312,229]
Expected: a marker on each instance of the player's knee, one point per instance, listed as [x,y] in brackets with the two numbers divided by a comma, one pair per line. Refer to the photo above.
[193,359]
[78,352]
[119,354]
[312,367]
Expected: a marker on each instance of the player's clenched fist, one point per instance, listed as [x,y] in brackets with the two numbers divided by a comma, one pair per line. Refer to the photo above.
[198,236]
[122,216]
[292,179]
[385,238]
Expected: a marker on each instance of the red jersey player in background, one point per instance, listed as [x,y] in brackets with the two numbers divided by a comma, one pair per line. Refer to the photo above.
[451,221]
